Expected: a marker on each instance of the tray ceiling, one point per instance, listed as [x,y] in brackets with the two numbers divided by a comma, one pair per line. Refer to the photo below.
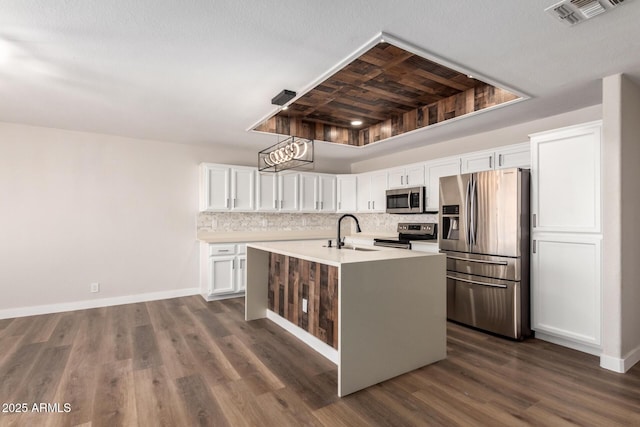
[388,89]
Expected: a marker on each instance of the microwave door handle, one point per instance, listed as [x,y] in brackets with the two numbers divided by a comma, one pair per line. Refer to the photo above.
[409,200]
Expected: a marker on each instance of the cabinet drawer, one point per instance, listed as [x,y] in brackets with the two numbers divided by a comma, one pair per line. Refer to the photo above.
[222,249]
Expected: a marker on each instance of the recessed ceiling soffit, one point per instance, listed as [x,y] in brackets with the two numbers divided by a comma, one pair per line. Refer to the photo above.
[391,90]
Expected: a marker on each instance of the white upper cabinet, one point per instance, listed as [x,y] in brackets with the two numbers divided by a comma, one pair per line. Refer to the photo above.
[565,179]
[371,191]
[288,185]
[434,171]
[225,188]
[317,192]
[512,156]
[410,176]
[346,193]
[476,162]
[277,192]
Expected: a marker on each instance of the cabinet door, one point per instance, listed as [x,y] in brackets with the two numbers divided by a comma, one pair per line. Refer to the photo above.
[346,188]
[477,162]
[566,286]
[221,275]
[288,191]
[414,176]
[363,192]
[327,193]
[434,172]
[241,273]
[267,192]
[378,192]
[215,186]
[514,156]
[565,180]
[397,178]
[243,193]
[308,193]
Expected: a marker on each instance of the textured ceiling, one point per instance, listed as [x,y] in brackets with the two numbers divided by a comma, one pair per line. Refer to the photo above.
[203,71]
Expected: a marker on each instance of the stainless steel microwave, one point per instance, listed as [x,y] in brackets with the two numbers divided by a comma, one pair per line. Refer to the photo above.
[406,200]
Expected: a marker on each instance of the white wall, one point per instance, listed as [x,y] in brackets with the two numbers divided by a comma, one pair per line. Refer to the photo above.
[77,208]
[505,136]
[621,245]
[630,214]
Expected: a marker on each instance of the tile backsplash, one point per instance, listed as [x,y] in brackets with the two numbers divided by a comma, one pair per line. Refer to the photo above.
[272,221]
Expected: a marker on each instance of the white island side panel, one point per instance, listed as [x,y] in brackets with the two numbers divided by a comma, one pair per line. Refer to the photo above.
[392,319]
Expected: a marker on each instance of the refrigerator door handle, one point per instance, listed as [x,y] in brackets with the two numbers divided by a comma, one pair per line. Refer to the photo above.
[474,208]
[467,232]
[481,261]
[491,285]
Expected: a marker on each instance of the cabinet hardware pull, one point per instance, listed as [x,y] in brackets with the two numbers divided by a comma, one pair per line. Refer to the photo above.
[490,162]
[534,246]
[369,204]
[499,159]
[401,180]
[373,205]
[223,250]
[534,221]
[491,285]
[322,205]
[281,204]
[235,202]
[226,203]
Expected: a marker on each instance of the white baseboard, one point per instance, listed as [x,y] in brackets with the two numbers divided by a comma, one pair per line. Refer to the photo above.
[623,364]
[96,303]
[304,336]
[585,348]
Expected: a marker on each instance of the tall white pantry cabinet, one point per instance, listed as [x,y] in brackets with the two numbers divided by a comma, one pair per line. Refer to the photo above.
[566,234]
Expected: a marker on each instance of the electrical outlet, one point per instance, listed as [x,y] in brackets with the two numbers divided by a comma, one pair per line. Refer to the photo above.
[305,305]
[95,287]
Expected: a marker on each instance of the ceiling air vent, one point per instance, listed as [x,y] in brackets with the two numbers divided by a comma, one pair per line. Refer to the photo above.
[572,12]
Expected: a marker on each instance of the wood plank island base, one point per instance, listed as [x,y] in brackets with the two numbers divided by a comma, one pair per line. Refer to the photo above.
[391,305]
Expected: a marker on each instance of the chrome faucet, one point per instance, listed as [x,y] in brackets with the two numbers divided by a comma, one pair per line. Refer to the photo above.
[339,243]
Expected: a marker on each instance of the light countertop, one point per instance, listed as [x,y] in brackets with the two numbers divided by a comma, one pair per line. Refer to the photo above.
[316,251]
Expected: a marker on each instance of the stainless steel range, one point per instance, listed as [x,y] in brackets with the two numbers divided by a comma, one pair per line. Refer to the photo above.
[407,233]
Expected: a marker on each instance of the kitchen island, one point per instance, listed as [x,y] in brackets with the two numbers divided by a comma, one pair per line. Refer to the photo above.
[375,312]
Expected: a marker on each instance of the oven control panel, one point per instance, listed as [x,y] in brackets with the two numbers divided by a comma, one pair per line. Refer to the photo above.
[425,228]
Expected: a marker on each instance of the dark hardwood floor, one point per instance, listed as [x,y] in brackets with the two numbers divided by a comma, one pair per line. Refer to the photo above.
[185,362]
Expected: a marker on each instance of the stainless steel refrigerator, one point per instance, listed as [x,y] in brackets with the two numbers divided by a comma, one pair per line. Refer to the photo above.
[484,230]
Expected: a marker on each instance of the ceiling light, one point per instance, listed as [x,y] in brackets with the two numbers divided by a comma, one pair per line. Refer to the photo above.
[293,152]
[356,122]
[286,107]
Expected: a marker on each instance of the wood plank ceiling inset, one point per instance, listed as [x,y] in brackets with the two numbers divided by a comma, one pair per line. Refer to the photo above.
[385,84]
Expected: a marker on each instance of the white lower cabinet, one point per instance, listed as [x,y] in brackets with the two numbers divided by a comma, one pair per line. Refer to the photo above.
[566,289]
[225,274]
